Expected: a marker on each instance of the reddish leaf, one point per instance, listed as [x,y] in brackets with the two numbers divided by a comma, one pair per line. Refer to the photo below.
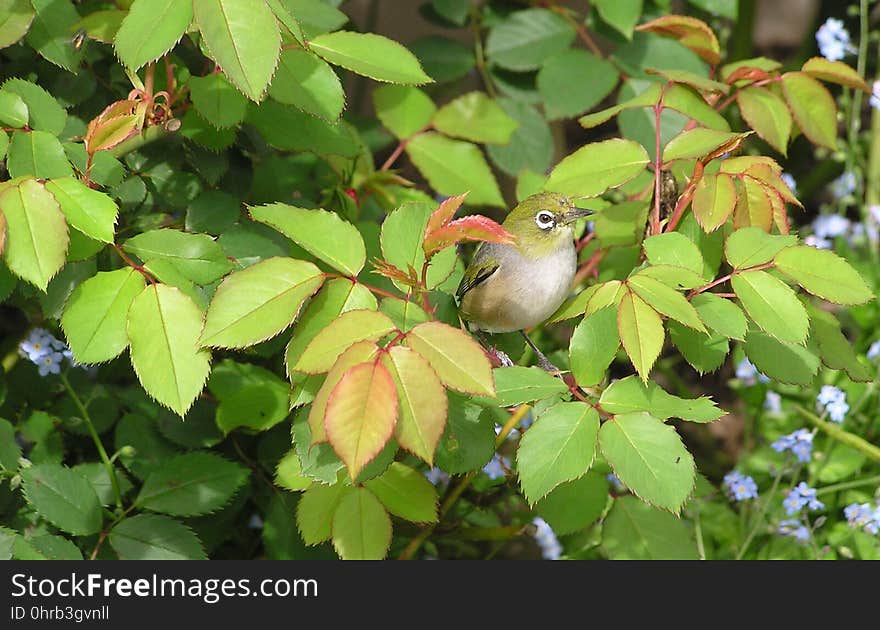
[473,228]
[444,212]
[361,414]
[690,32]
[753,207]
[391,272]
[747,73]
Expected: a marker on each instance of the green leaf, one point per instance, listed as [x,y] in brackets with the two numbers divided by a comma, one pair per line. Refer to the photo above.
[593,346]
[370,55]
[155,537]
[96,474]
[596,167]
[95,316]
[348,329]
[242,36]
[198,257]
[783,362]
[289,129]
[316,16]
[287,20]
[813,108]
[646,98]
[559,447]
[623,15]
[401,238]
[13,110]
[574,81]
[751,246]
[37,153]
[516,385]
[323,234]
[574,505]
[164,328]
[44,111]
[403,110]
[192,484]
[315,510]
[63,497]
[289,475]
[360,415]
[217,100]
[476,117]
[526,39]
[766,113]
[469,440]
[705,353]
[452,167]
[531,145]
[630,394]
[721,315]
[16,21]
[641,331]
[824,274]
[421,417]
[698,143]
[46,547]
[306,81]
[150,29]
[259,302]
[361,527]
[665,300]
[835,349]
[405,493]
[714,200]
[257,402]
[51,30]
[336,297]
[772,305]
[89,211]
[649,458]
[443,59]
[458,360]
[10,451]
[636,531]
[36,232]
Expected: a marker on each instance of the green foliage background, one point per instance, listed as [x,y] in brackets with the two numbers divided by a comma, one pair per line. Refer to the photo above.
[253,258]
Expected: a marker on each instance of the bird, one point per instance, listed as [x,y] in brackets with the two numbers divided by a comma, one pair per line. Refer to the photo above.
[512,287]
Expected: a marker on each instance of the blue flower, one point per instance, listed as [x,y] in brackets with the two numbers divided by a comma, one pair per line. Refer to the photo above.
[437,477]
[749,374]
[773,402]
[546,539]
[834,41]
[873,351]
[830,225]
[833,400]
[795,528]
[50,363]
[863,516]
[789,180]
[497,466]
[37,345]
[616,483]
[740,487]
[875,95]
[801,496]
[800,443]
[843,186]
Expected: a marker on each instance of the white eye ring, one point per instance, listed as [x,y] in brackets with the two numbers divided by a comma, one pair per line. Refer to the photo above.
[545,220]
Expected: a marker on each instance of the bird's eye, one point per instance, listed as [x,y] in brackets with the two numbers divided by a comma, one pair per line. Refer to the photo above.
[545,220]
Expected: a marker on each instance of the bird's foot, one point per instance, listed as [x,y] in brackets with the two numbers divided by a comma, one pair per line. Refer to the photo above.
[544,364]
[499,358]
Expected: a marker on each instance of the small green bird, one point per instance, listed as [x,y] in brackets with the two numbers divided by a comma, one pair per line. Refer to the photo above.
[513,287]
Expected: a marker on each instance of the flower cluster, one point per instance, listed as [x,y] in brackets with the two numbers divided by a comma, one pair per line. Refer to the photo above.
[834,41]
[863,516]
[794,528]
[497,467]
[749,374]
[740,487]
[800,443]
[546,539]
[800,497]
[833,401]
[829,226]
[45,351]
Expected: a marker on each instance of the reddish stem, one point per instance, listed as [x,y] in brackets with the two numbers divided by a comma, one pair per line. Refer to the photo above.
[685,198]
[139,268]
[724,279]
[658,163]
[584,241]
[589,267]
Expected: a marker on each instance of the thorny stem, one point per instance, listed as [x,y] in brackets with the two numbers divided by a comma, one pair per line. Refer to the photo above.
[399,150]
[128,261]
[658,160]
[685,198]
[579,28]
[108,465]
[454,494]
[479,56]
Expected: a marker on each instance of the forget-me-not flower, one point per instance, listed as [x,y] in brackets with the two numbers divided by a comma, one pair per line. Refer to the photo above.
[497,466]
[801,496]
[45,351]
[749,374]
[863,516]
[873,351]
[546,539]
[794,528]
[834,41]
[789,180]
[740,487]
[773,402]
[800,443]
[437,477]
[833,401]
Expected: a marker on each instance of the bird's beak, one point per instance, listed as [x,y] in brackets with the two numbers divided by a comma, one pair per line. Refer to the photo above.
[574,214]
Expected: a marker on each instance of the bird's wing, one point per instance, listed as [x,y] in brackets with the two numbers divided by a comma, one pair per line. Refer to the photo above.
[480,270]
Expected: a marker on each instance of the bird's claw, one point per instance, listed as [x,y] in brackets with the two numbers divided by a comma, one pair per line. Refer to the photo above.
[499,358]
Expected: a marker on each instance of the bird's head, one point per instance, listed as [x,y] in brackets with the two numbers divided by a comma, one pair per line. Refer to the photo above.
[543,222]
